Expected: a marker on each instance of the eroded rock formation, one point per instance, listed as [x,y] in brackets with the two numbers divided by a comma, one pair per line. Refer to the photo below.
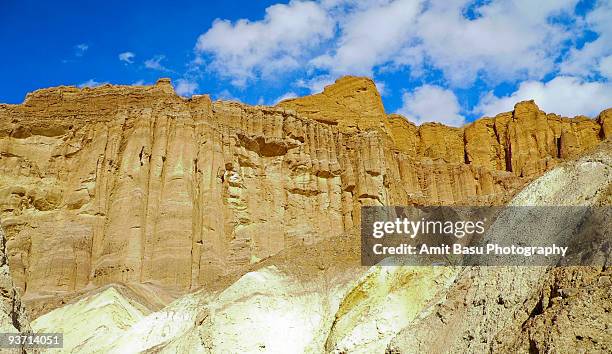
[13,316]
[318,299]
[138,185]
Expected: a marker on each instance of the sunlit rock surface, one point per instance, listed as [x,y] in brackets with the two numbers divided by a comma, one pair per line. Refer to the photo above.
[314,299]
[13,315]
[186,225]
[135,185]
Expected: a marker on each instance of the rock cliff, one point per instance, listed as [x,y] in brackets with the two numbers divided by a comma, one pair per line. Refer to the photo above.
[13,315]
[136,185]
[318,299]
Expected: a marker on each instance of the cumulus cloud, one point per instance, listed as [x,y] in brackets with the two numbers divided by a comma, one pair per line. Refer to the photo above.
[91,83]
[605,67]
[127,57]
[455,42]
[279,43]
[370,36]
[503,40]
[593,57]
[565,95]
[185,87]
[155,63]
[429,103]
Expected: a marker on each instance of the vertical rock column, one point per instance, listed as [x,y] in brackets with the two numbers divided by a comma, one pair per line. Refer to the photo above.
[13,317]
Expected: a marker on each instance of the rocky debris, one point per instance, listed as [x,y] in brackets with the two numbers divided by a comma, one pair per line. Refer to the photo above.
[572,314]
[134,184]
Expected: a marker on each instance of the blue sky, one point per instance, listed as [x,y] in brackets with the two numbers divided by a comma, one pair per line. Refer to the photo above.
[449,61]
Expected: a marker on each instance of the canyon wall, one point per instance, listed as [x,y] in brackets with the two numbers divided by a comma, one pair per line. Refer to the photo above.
[13,315]
[135,184]
[323,301]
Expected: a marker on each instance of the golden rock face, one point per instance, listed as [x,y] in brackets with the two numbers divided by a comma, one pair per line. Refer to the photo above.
[137,185]
[353,103]
[13,315]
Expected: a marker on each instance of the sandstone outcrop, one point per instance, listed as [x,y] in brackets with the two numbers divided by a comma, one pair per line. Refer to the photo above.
[136,185]
[317,299]
[13,318]
[352,103]
[13,315]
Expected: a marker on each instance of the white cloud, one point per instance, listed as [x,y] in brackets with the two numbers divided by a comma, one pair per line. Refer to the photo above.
[138,83]
[185,87]
[593,57]
[277,44]
[605,67]
[127,57]
[316,84]
[370,36]
[503,40]
[80,49]
[463,40]
[429,103]
[155,63]
[286,96]
[565,95]
[507,40]
[91,83]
